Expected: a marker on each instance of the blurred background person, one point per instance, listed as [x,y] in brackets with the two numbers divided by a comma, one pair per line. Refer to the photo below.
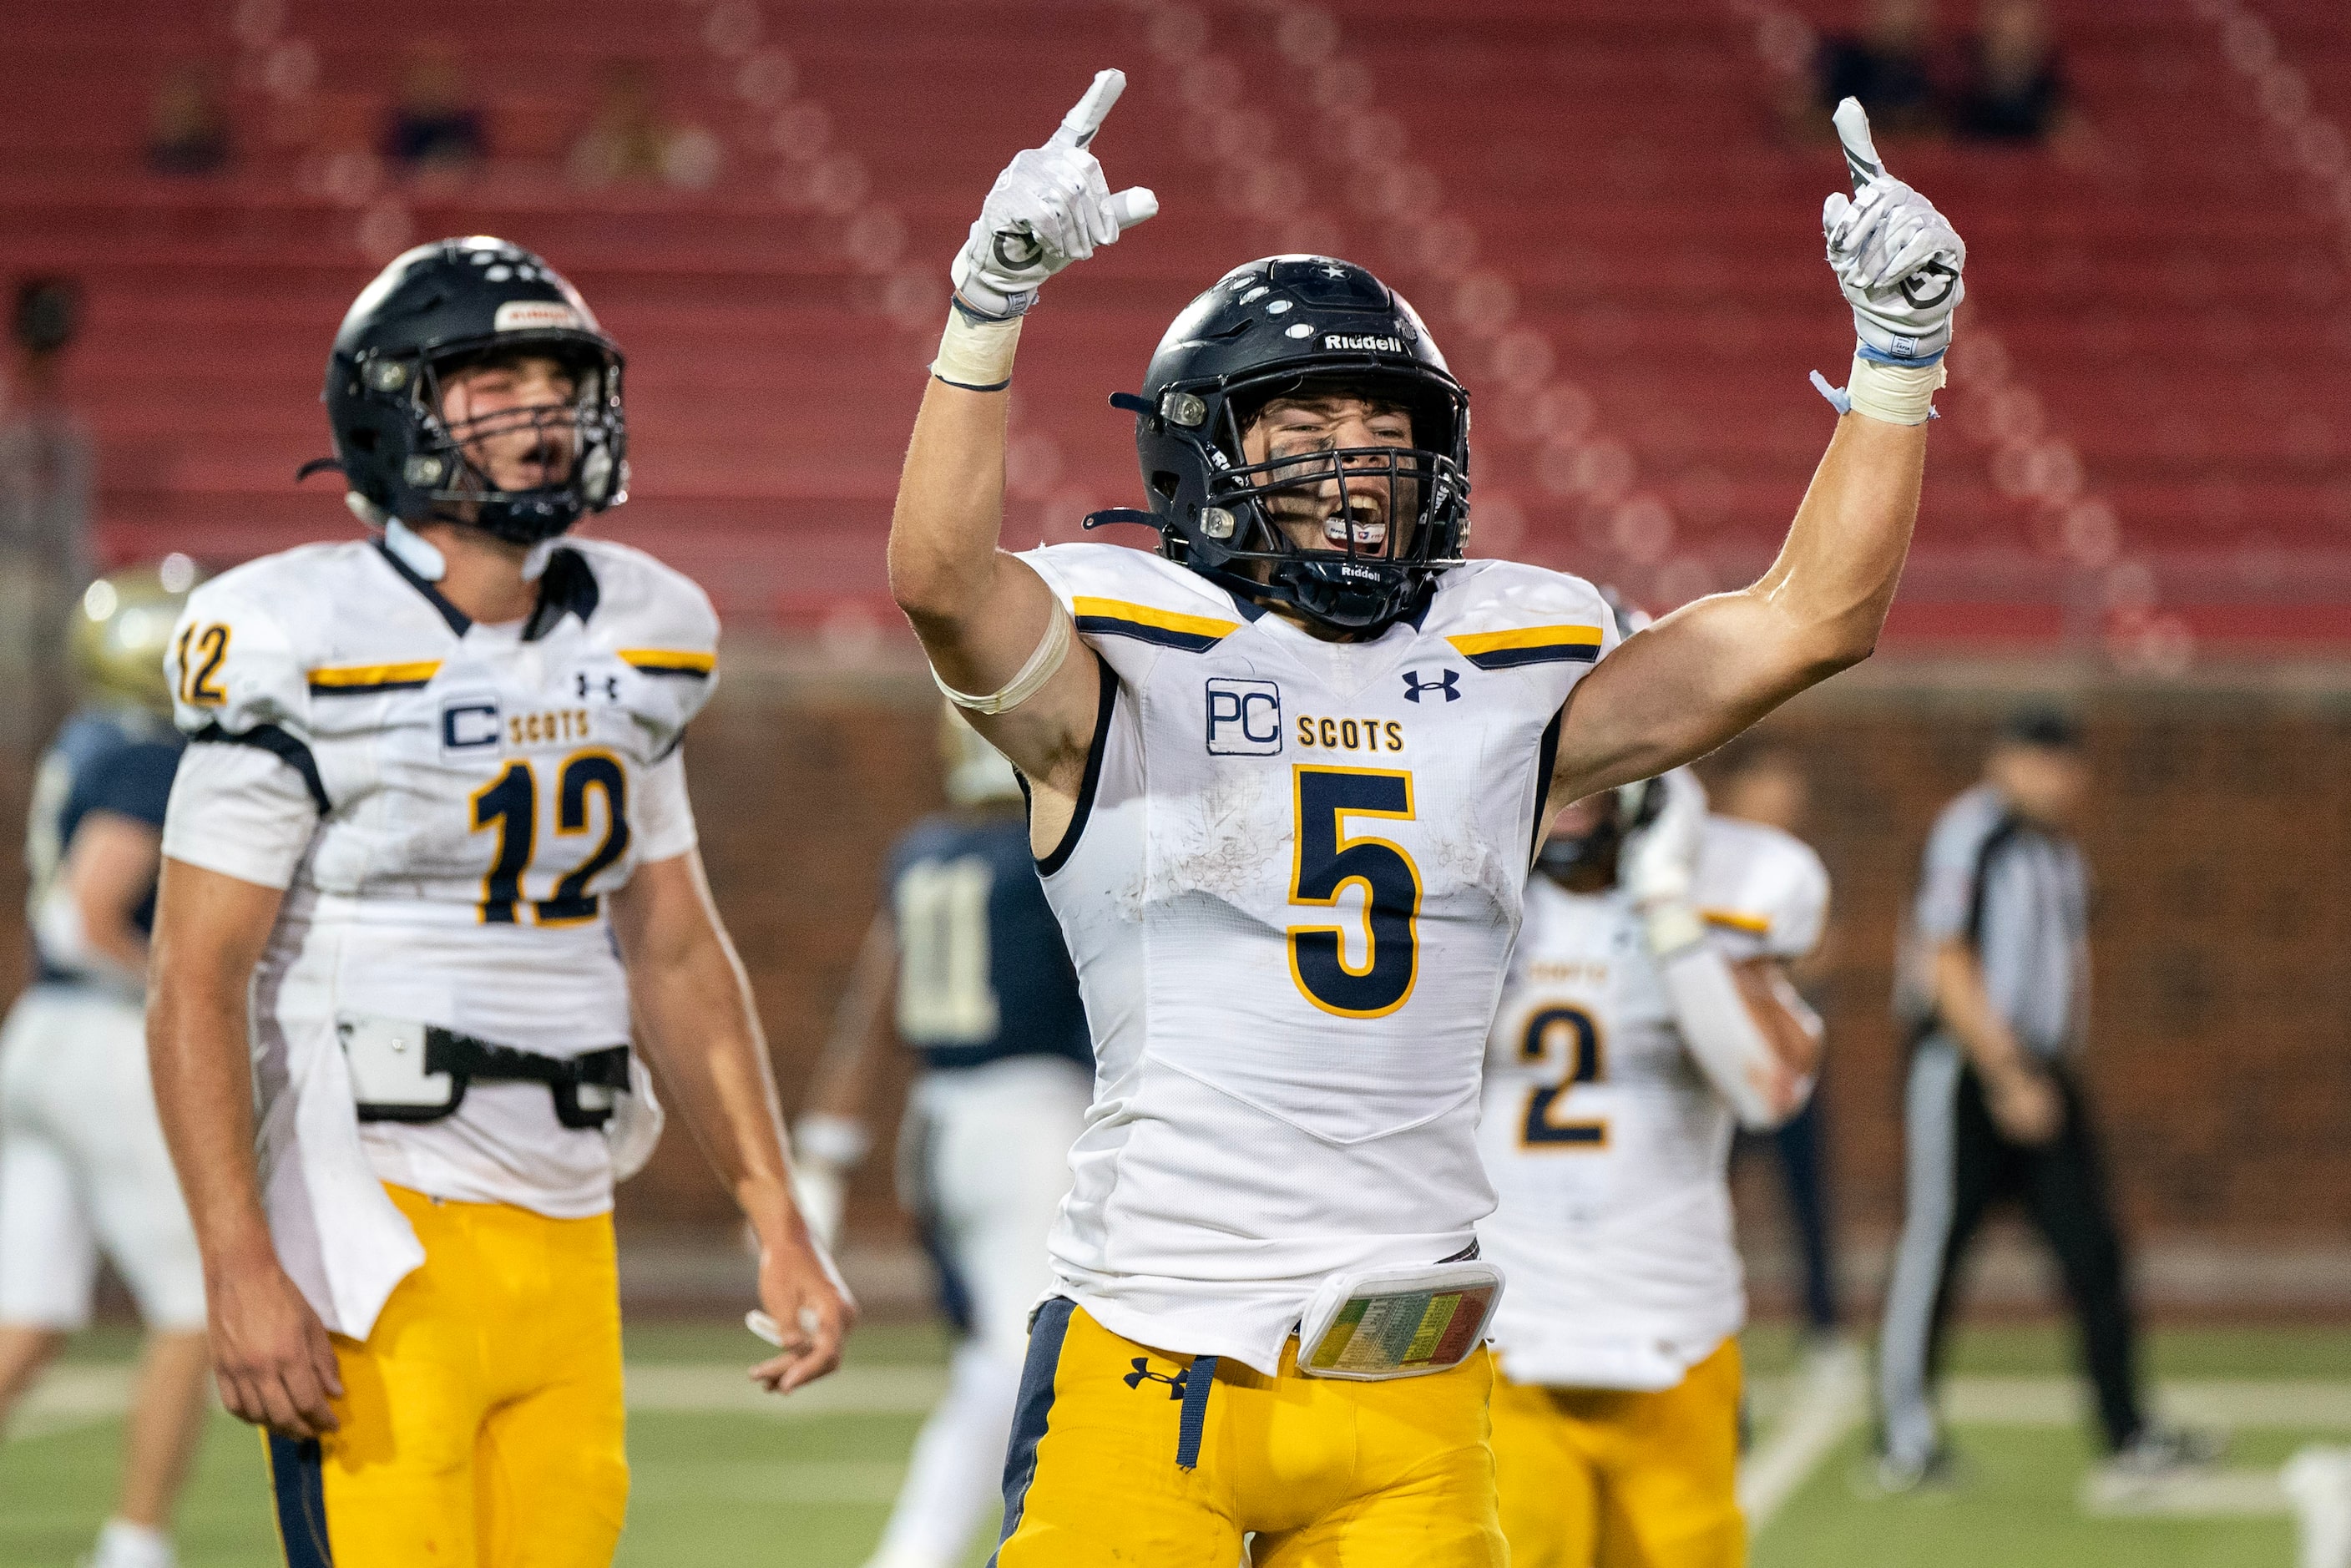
[2011,87]
[45,464]
[1994,982]
[1887,64]
[987,995]
[435,125]
[187,126]
[632,141]
[83,1169]
[1757,781]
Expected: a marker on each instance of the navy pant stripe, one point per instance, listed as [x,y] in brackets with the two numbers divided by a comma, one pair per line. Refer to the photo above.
[301,1500]
[1030,1414]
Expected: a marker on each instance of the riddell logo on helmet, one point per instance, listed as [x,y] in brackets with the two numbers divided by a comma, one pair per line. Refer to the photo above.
[1377,344]
[533,315]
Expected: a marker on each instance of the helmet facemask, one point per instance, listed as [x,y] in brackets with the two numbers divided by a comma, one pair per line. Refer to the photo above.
[1390,517]
[583,441]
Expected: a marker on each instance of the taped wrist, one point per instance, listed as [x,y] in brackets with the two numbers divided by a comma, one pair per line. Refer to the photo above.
[1671,925]
[976,351]
[1898,394]
[1051,650]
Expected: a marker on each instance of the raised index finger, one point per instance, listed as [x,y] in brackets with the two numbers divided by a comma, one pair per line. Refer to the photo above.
[1077,126]
[1861,158]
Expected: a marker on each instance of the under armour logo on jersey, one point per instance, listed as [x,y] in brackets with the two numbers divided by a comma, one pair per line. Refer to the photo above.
[1448,681]
[1143,1374]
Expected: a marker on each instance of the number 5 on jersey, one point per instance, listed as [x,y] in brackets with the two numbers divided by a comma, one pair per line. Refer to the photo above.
[1326,860]
[508,805]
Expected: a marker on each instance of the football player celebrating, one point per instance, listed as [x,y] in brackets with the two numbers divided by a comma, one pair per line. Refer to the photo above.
[1648,1006]
[1285,778]
[429,855]
[984,993]
[83,1169]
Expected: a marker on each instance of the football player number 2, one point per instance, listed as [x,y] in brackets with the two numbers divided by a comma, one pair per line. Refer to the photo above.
[1328,860]
[508,806]
[1568,1036]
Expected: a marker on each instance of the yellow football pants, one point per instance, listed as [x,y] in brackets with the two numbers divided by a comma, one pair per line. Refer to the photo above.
[1371,1475]
[1602,1478]
[482,1421]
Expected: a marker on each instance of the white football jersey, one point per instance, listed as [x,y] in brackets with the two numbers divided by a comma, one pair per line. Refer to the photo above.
[448,806]
[1290,891]
[1607,1144]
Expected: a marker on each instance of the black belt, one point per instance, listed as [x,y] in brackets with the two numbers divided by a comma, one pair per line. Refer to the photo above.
[603,1073]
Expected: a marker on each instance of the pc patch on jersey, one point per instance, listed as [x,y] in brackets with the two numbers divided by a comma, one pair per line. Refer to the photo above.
[1244,718]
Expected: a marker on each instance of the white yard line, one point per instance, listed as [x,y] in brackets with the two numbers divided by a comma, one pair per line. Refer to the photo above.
[1823,1404]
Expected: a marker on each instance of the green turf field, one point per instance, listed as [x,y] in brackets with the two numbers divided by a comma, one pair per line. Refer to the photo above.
[720,1478]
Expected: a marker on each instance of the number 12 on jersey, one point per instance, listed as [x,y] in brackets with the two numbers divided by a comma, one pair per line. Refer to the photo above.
[508,805]
[1326,860]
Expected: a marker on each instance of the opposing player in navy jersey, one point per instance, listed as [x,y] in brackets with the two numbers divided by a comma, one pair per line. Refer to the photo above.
[83,1170]
[985,996]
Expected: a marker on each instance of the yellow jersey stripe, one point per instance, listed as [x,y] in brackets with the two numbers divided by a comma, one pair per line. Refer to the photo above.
[354,680]
[670,661]
[1754,925]
[1528,645]
[1122,618]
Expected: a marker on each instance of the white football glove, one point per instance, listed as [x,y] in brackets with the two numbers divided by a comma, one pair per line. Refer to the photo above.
[1658,867]
[1896,258]
[1049,208]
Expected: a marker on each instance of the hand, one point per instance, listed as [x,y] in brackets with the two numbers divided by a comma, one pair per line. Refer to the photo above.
[2024,1105]
[808,1306]
[1896,258]
[1049,208]
[1660,864]
[271,1357]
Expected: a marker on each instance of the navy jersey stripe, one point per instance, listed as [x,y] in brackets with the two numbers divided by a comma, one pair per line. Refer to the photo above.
[270,737]
[1163,636]
[370,688]
[1549,653]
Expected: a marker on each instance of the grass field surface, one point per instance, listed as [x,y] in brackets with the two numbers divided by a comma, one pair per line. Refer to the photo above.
[722,1475]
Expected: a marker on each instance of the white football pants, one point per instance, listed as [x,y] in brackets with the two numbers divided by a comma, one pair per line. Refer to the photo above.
[83,1168]
[983,1163]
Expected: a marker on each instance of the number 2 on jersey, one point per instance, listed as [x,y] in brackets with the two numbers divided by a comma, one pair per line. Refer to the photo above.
[509,804]
[1573,1028]
[1326,862]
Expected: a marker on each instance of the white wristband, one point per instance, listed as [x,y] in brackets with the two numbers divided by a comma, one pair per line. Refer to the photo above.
[1051,650]
[840,1142]
[975,351]
[1898,394]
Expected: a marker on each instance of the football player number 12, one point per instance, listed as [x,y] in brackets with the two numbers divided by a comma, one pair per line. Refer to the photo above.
[508,805]
[1327,861]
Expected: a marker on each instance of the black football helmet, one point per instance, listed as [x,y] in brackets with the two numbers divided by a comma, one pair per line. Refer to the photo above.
[437,308]
[1286,326]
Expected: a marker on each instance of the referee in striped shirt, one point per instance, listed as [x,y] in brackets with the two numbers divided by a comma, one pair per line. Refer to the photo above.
[1995,984]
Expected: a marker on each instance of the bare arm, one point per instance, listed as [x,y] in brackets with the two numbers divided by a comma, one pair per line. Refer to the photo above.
[271,1356]
[1794,1037]
[1681,687]
[2019,1096]
[697,1027]
[107,869]
[861,1034]
[979,611]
